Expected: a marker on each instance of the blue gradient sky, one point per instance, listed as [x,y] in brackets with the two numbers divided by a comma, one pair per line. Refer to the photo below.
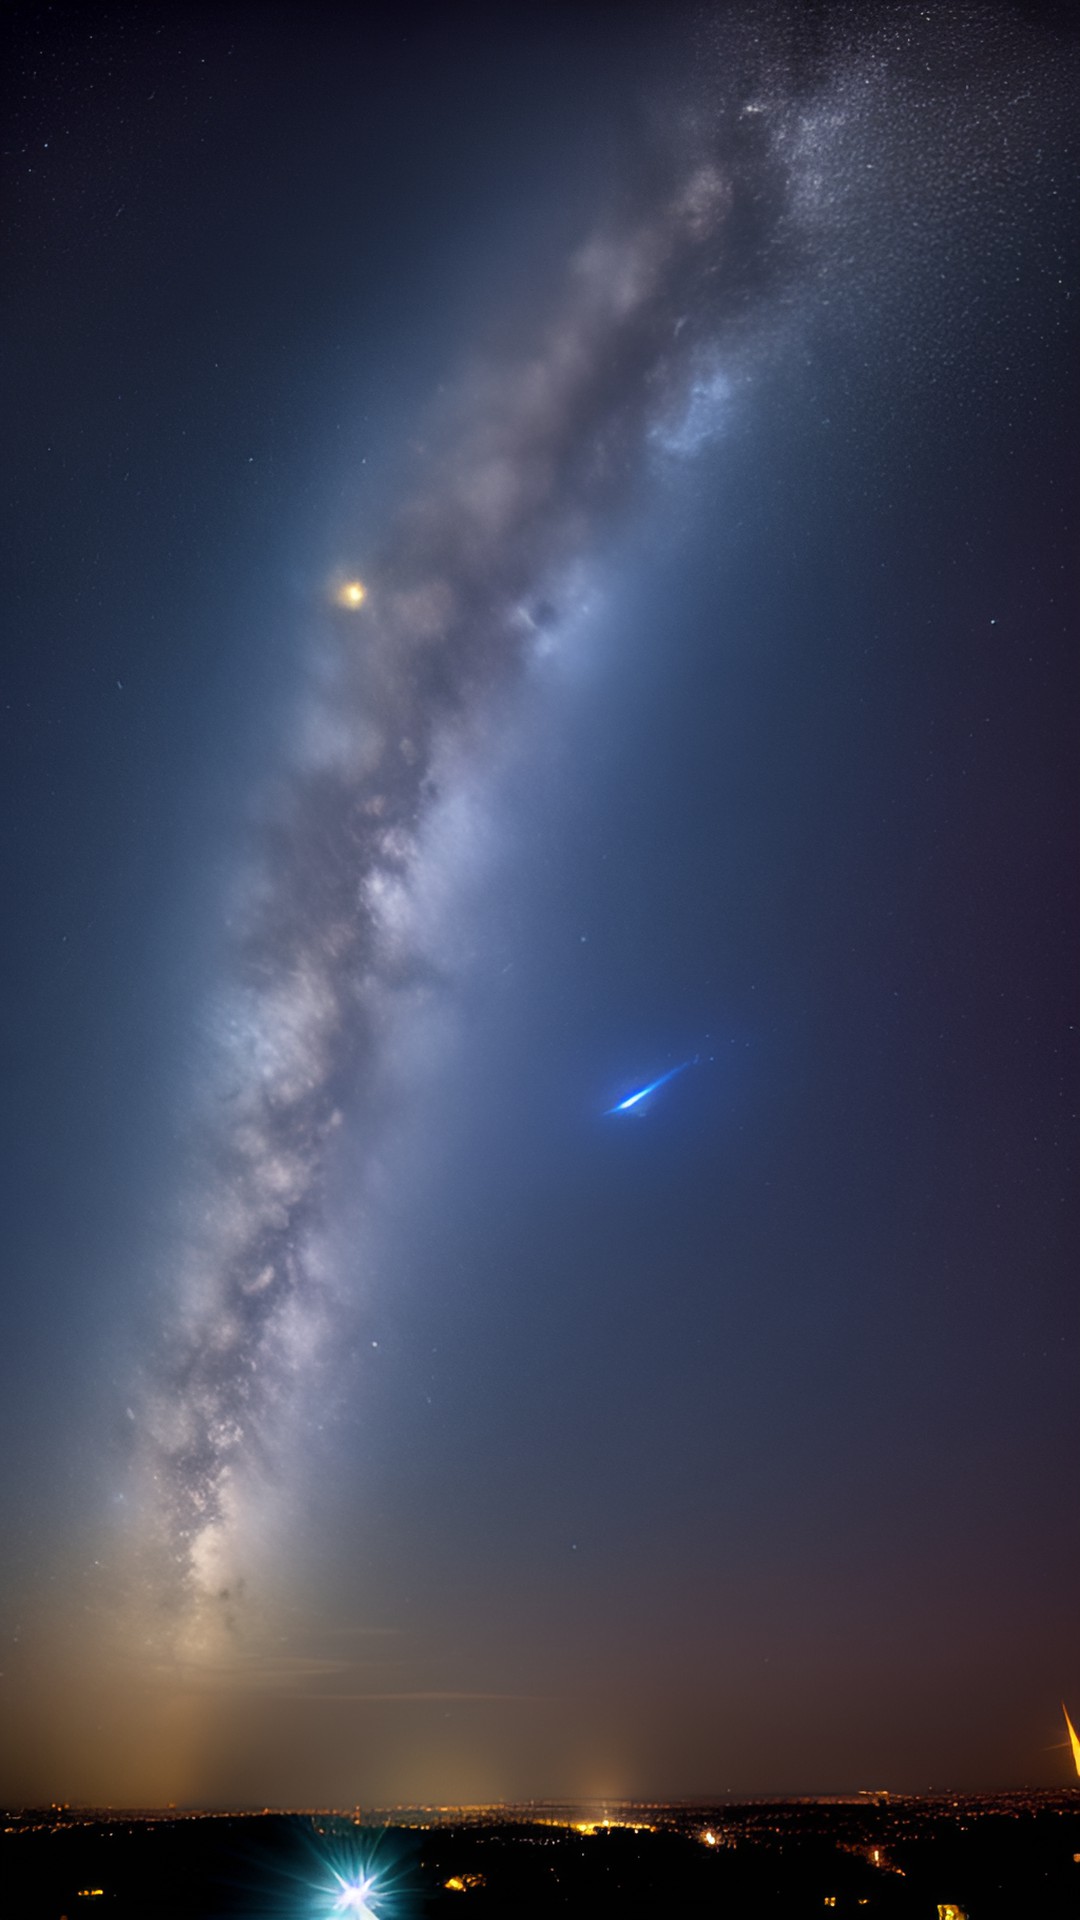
[382,1418]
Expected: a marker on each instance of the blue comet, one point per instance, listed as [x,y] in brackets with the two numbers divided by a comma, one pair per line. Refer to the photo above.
[644,1092]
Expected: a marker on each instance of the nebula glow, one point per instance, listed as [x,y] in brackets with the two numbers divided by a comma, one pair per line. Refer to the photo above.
[535,458]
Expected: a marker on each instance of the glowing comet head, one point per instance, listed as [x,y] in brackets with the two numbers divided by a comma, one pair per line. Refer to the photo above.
[632,1099]
[352,594]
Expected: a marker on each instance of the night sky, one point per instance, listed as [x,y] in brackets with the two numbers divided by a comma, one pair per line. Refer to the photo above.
[541,549]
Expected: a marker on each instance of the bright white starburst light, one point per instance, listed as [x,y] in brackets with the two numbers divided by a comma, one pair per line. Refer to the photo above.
[354,1897]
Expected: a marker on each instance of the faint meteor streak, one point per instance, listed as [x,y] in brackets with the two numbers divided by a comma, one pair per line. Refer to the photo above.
[623,1106]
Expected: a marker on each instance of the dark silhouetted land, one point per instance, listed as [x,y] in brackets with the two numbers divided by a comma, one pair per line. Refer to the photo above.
[987,1858]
